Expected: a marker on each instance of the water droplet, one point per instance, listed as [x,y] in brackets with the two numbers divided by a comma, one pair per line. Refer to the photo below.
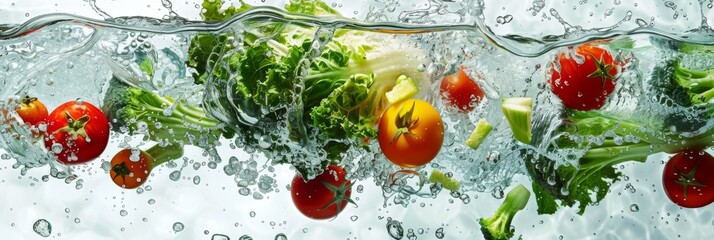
[354,218]
[76,220]
[439,233]
[395,230]
[175,175]
[152,201]
[497,192]
[634,208]
[134,157]
[220,237]
[252,213]
[56,148]
[178,226]
[245,237]
[671,5]
[42,227]
[196,180]
[123,213]
[281,236]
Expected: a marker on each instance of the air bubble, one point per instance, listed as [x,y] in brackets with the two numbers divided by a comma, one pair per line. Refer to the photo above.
[395,230]
[497,192]
[178,227]
[42,227]
[175,175]
[439,233]
[281,236]
[220,237]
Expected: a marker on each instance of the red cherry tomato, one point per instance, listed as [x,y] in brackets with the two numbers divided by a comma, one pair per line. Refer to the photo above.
[127,172]
[323,197]
[688,180]
[77,132]
[584,86]
[32,111]
[460,91]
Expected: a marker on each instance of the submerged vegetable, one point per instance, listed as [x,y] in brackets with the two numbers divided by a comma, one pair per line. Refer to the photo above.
[688,180]
[498,226]
[585,78]
[482,129]
[449,183]
[161,119]
[323,197]
[78,132]
[411,133]
[32,111]
[460,91]
[130,168]
[518,112]
[306,90]
[589,181]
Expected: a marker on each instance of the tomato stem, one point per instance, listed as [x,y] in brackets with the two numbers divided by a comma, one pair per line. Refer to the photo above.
[404,122]
[75,127]
[687,179]
[27,100]
[339,194]
[161,154]
[603,70]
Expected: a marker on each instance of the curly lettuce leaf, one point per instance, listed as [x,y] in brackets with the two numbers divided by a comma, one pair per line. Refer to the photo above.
[338,115]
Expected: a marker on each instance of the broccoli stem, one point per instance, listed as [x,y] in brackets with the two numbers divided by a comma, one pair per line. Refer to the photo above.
[498,226]
[162,154]
[610,154]
[166,120]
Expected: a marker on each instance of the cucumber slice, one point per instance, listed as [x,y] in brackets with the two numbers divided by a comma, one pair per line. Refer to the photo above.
[437,176]
[479,134]
[404,89]
[518,112]
[523,101]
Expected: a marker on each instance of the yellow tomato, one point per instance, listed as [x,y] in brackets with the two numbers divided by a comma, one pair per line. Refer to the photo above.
[411,133]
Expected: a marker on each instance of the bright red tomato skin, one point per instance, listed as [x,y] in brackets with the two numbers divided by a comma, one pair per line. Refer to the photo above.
[32,111]
[80,149]
[310,197]
[679,167]
[459,90]
[573,85]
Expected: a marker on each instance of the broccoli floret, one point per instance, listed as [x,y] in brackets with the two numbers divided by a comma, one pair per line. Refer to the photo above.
[498,226]
[699,84]
[162,119]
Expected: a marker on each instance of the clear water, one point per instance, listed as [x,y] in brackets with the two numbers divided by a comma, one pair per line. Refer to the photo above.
[232,192]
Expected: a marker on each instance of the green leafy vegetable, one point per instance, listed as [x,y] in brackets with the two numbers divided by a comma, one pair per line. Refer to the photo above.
[323,89]
[600,141]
